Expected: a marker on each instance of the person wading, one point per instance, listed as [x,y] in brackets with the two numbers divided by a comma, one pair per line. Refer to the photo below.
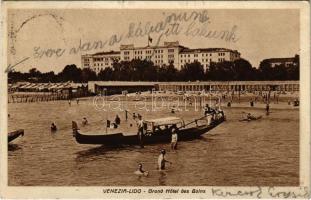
[267,109]
[117,120]
[140,133]
[174,139]
[162,161]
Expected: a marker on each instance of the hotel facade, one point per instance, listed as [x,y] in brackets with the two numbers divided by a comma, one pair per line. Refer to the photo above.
[170,52]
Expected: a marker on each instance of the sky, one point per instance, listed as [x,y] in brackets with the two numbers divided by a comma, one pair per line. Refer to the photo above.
[259,33]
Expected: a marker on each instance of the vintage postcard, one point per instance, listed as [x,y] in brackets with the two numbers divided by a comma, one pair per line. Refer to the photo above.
[155,100]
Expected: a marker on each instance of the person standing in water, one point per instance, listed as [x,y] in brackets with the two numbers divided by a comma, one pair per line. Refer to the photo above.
[117,120]
[140,132]
[267,109]
[69,102]
[162,161]
[174,139]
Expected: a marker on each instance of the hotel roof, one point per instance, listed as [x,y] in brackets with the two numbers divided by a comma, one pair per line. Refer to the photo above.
[106,53]
[202,50]
[166,45]
[277,60]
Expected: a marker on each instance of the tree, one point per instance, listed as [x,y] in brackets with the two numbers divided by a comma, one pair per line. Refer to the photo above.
[88,75]
[168,73]
[266,70]
[243,70]
[105,74]
[33,72]
[48,77]
[192,72]
[223,71]
[70,73]
[280,72]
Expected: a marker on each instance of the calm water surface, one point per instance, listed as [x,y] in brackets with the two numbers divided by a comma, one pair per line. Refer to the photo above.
[263,152]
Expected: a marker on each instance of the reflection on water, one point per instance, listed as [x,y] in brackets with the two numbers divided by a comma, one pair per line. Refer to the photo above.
[263,152]
[13,147]
[162,178]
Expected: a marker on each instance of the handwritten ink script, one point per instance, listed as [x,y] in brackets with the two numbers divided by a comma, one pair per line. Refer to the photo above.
[10,68]
[255,192]
[190,24]
[259,192]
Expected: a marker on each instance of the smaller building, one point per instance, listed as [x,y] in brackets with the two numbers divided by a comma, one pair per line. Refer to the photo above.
[287,62]
[206,56]
[117,87]
[99,61]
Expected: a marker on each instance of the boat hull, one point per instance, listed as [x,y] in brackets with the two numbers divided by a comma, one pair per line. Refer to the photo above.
[15,134]
[163,136]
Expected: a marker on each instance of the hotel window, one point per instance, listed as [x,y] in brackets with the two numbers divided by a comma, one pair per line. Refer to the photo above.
[171,50]
[210,54]
[195,55]
[126,52]
[188,55]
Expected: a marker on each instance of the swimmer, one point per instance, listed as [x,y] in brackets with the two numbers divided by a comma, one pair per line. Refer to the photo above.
[84,121]
[140,171]
[53,127]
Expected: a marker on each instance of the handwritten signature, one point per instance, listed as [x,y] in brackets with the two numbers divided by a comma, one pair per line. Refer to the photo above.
[258,192]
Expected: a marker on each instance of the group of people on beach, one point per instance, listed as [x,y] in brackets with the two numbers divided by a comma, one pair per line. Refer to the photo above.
[77,101]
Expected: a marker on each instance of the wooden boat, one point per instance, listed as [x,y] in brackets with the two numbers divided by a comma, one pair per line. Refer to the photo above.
[156,131]
[15,134]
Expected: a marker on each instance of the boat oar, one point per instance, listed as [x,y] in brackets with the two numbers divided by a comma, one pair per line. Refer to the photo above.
[192,122]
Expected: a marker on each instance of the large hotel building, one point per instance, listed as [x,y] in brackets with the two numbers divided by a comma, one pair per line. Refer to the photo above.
[170,52]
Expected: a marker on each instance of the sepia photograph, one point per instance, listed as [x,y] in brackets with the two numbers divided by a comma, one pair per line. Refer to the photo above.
[157,98]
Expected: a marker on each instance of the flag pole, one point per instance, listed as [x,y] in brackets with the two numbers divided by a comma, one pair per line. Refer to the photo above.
[148,40]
